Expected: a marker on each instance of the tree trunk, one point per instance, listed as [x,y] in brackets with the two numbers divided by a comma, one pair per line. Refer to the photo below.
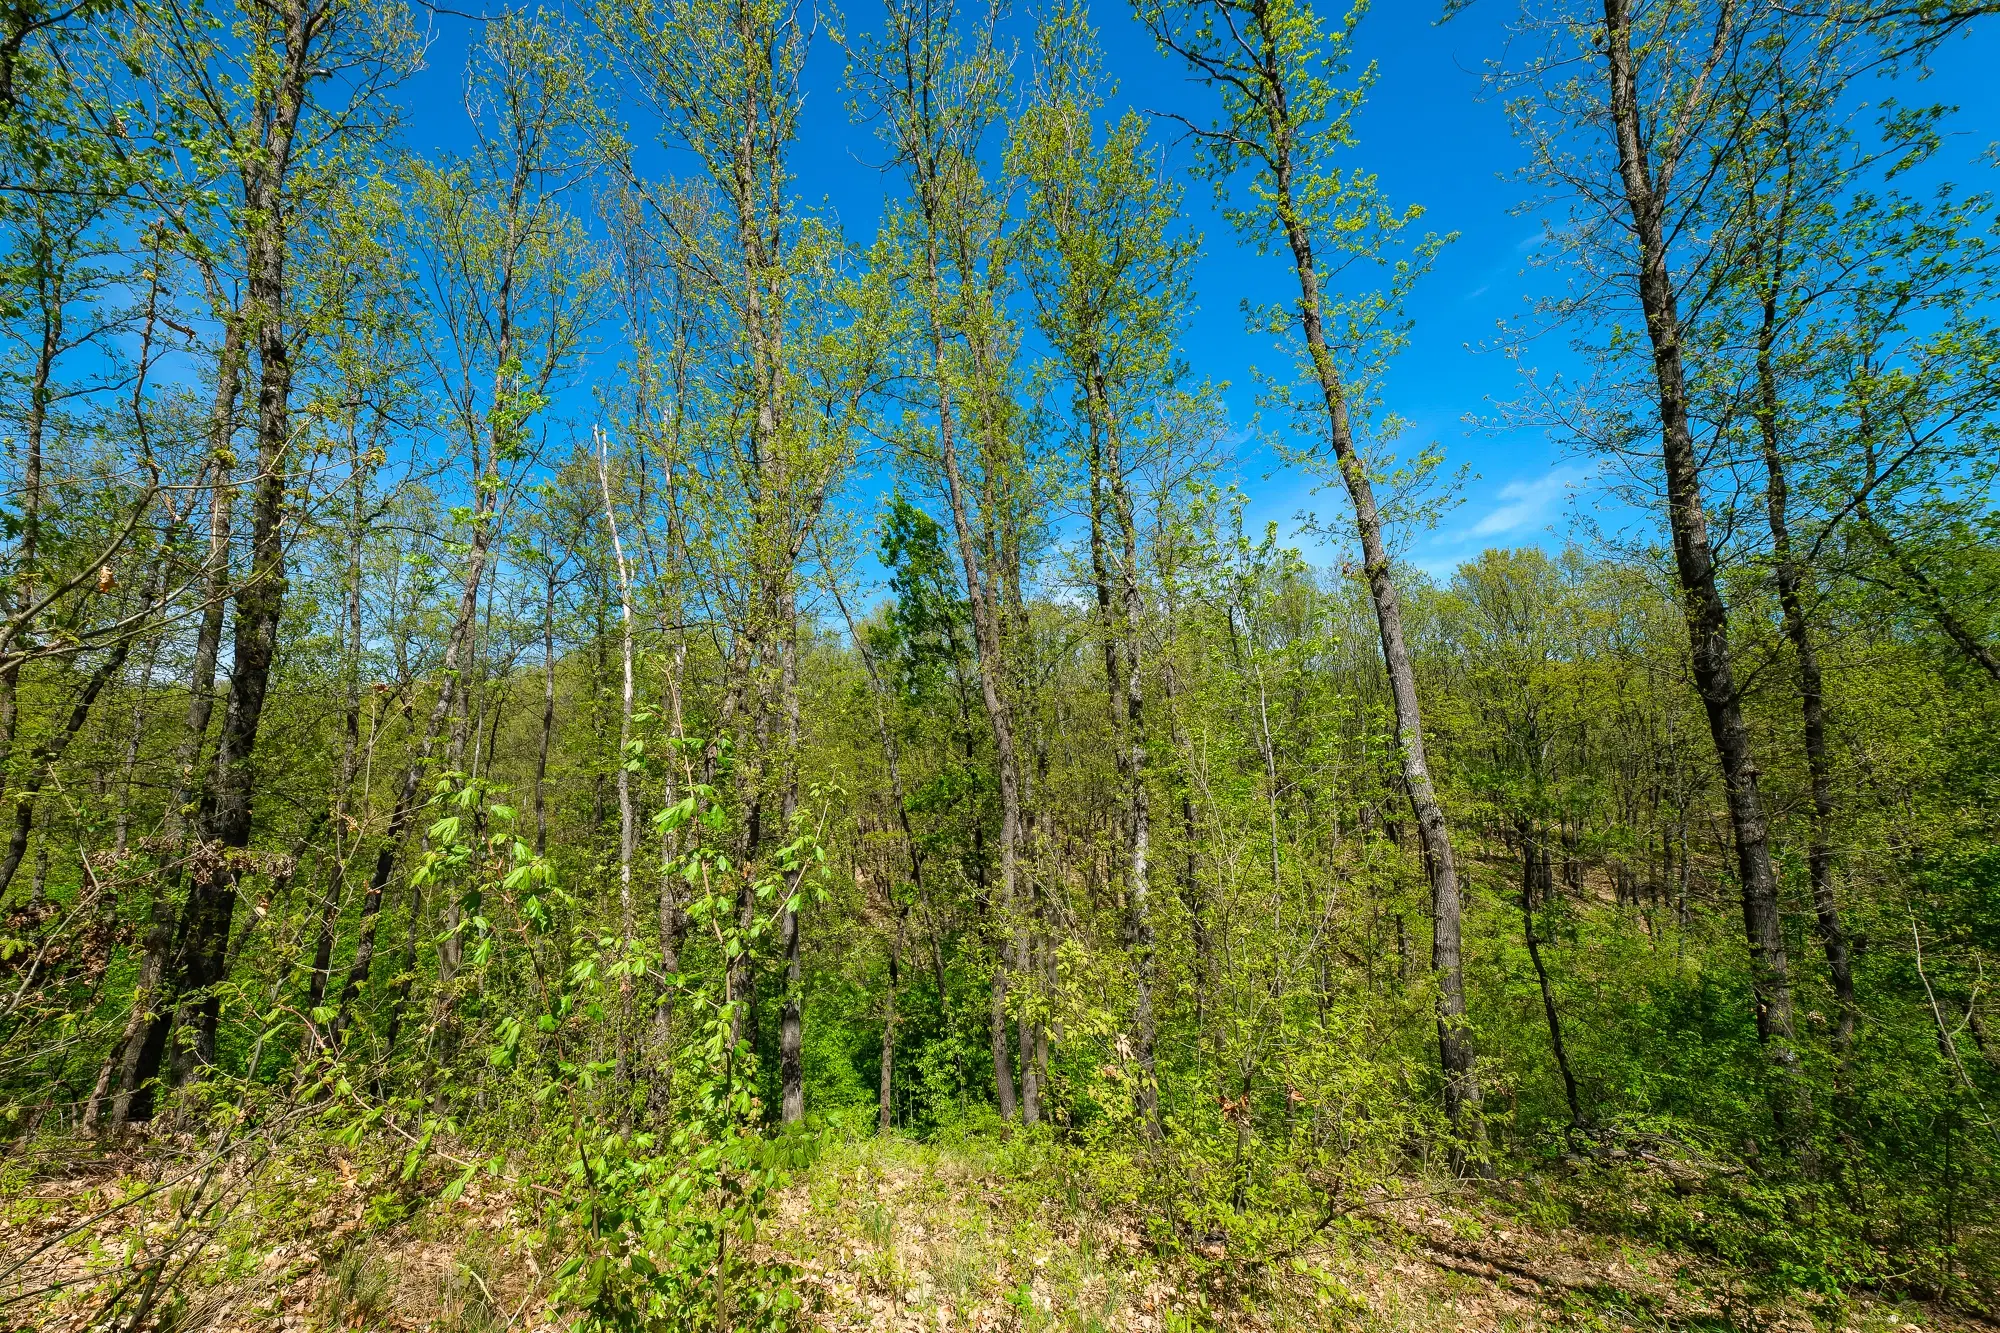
[345,826]
[791,1019]
[143,1043]
[1455,1048]
[1120,614]
[986,632]
[1191,895]
[885,1090]
[672,916]
[47,755]
[259,603]
[1694,562]
[627,816]
[892,758]
[1534,888]
[548,713]
[52,305]
[1791,580]
[403,813]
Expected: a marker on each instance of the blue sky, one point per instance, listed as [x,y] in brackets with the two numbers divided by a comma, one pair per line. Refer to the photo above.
[1434,139]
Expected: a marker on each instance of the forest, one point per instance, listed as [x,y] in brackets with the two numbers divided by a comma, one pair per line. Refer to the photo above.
[588,741]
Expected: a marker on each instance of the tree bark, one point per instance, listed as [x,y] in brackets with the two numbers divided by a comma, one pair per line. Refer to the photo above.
[1694,563]
[143,1042]
[1121,613]
[548,727]
[228,811]
[627,815]
[52,306]
[791,1019]
[1455,1048]
[885,1118]
[1534,889]
[1791,579]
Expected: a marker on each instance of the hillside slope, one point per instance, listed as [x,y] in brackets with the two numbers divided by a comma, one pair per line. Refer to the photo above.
[884,1234]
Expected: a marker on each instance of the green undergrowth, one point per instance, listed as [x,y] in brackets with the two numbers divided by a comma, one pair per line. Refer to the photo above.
[840,1229]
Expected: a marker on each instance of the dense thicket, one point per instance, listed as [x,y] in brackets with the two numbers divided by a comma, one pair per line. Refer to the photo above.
[595,664]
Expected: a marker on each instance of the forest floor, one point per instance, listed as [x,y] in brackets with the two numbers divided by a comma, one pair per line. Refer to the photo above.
[882,1235]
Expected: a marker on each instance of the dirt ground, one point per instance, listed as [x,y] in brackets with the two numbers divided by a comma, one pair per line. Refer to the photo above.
[880,1234]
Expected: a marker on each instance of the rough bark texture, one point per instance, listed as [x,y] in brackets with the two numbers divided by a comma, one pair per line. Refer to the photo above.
[1455,1050]
[259,604]
[1694,563]
[144,1040]
[1121,613]
[1791,580]
[992,690]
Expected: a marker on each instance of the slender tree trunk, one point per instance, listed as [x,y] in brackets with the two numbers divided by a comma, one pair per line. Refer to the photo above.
[1791,580]
[791,1019]
[991,663]
[401,815]
[47,755]
[457,653]
[1191,895]
[1534,889]
[736,689]
[1024,1028]
[1455,1049]
[548,713]
[1139,815]
[1000,511]
[745,1024]
[1120,615]
[892,758]
[52,304]
[627,816]
[672,916]
[344,825]
[143,1044]
[1694,561]
[885,1119]
[134,740]
[406,974]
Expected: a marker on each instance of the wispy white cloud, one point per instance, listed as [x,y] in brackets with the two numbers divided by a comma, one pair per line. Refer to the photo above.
[1527,503]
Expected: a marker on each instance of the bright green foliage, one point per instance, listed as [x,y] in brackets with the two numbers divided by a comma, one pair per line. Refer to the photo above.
[665,1223]
[737,687]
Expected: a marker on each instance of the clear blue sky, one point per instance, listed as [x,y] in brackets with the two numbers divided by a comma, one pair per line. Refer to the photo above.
[1433,139]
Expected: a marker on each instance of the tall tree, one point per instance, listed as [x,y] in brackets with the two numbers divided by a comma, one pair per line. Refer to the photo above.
[722,80]
[1668,85]
[511,286]
[1287,113]
[1109,275]
[282,123]
[935,100]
